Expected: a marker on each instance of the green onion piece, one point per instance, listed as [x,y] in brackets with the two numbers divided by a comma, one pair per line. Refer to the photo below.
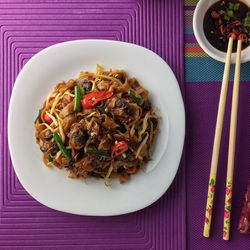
[61,146]
[236,6]
[230,13]
[222,12]
[247,21]
[77,99]
[137,99]
[226,18]
[102,153]
[230,5]
[49,158]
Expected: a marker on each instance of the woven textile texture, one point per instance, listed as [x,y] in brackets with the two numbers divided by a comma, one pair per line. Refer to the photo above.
[203,77]
[26,27]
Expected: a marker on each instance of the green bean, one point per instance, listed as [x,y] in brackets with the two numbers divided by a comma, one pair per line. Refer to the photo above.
[61,146]
[137,99]
[103,153]
[77,99]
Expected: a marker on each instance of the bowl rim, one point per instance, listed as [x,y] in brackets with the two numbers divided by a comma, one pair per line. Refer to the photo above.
[202,40]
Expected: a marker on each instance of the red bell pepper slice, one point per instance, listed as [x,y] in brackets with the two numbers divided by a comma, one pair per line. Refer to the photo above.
[92,98]
[119,148]
[46,118]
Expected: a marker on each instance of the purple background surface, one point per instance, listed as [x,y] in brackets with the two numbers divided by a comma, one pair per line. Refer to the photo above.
[203,76]
[201,108]
[26,27]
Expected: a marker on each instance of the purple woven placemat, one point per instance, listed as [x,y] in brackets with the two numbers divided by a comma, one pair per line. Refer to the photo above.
[202,88]
[26,27]
[201,106]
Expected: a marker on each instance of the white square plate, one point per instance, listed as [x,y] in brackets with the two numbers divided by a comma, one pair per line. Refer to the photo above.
[51,186]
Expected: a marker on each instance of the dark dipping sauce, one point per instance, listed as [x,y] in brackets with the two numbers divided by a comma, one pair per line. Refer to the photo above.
[225,17]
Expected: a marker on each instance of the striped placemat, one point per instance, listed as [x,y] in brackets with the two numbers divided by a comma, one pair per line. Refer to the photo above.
[203,77]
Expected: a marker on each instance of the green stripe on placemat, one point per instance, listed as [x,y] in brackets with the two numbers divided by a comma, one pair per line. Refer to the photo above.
[209,70]
[188,31]
[190,2]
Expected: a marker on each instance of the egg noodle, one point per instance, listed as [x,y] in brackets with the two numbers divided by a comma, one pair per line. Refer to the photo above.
[99,125]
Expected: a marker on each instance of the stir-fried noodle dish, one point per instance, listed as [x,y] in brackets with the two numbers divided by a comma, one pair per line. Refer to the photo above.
[99,125]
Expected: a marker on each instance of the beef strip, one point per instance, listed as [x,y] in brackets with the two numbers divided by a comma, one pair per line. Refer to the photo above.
[85,83]
[67,110]
[68,121]
[77,136]
[48,147]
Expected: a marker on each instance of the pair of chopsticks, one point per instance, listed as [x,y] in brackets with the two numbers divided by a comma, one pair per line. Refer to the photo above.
[217,139]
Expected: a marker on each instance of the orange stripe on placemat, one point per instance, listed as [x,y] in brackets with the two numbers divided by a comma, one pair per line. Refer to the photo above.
[194,50]
[199,54]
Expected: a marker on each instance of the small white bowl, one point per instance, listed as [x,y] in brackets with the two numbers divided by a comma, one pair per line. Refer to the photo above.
[199,13]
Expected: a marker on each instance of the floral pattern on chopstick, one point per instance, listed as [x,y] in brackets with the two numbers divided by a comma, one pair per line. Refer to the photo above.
[209,206]
[227,209]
